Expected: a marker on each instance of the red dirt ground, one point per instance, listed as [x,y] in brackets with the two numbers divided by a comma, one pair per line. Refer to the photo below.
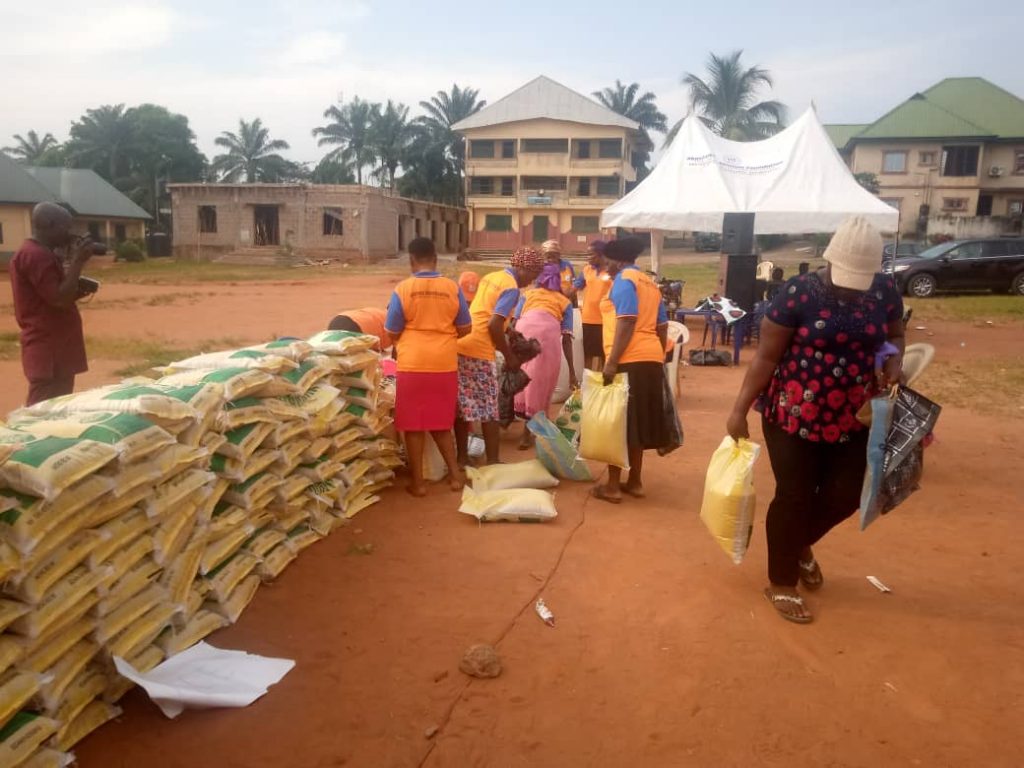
[663,653]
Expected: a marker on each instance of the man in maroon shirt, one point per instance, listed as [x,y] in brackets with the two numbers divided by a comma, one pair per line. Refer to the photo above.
[45,292]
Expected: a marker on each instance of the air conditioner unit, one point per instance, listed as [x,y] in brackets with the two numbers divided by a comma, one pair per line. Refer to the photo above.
[995,171]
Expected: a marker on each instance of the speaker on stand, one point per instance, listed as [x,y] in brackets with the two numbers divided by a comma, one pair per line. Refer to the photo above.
[739,271]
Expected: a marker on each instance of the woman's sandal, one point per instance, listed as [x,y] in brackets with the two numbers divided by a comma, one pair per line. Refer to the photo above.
[599,493]
[634,492]
[810,575]
[774,598]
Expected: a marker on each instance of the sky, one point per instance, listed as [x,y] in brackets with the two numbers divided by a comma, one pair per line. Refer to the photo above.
[286,62]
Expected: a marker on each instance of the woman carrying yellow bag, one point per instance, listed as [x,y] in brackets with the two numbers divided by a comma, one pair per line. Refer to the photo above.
[635,329]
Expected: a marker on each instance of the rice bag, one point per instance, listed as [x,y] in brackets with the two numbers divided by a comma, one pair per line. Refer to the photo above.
[728,506]
[524,505]
[48,466]
[603,428]
[238,358]
[524,474]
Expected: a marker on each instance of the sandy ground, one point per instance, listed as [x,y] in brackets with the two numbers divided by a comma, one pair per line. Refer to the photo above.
[663,653]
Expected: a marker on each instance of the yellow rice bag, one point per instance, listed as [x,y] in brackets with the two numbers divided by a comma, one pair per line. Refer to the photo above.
[90,683]
[306,375]
[322,469]
[42,654]
[109,507]
[248,410]
[236,382]
[64,672]
[205,508]
[264,540]
[327,493]
[241,442]
[11,610]
[48,466]
[49,758]
[260,518]
[239,599]
[163,404]
[363,378]
[323,521]
[134,437]
[340,365]
[22,735]
[179,574]
[170,494]
[227,520]
[314,449]
[329,419]
[218,550]
[170,537]
[117,534]
[313,400]
[359,504]
[293,349]
[118,619]
[302,536]
[142,631]
[199,626]
[342,343]
[274,563]
[16,688]
[288,518]
[233,358]
[247,494]
[355,471]
[226,577]
[285,432]
[347,453]
[10,651]
[92,717]
[374,449]
[71,591]
[212,442]
[134,580]
[293,486]
[68,556]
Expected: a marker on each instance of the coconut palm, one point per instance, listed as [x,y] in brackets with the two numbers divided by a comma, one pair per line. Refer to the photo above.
[349,131]
[622,99]
[444,110]
[99,140]
[390,136]
[30,149]
[727,100]
[251,154]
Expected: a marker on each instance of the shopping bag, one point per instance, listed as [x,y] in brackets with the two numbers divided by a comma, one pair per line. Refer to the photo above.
[603,424]
[671,416]
[728,506]
[878,412]
[509,384]
[555,452]
[568,418]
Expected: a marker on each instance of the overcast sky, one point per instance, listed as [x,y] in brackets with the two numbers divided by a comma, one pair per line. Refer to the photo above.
[216,61]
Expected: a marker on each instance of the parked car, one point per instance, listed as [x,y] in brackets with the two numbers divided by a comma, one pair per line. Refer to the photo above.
[905,248]
[994,264]
[707,241]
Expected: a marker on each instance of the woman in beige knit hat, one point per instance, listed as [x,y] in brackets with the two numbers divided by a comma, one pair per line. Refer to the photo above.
[815,367]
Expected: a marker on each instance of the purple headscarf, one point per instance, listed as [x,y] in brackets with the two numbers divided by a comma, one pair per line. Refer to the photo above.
[551,277]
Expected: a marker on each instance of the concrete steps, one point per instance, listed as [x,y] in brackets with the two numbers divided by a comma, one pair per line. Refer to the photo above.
[268,256]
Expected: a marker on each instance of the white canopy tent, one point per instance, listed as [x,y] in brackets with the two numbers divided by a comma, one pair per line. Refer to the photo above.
[794,182]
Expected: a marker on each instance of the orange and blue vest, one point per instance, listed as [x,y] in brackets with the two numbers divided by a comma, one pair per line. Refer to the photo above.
[424,313]
[497,294]
[634,294]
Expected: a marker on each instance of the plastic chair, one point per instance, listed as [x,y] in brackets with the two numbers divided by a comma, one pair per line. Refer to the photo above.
[681,335]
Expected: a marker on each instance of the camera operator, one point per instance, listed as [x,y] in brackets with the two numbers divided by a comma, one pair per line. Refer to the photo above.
[45,291]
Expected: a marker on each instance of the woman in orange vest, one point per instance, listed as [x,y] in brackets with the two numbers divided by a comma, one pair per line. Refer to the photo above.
[544,314]
[552,253]
[368,320]
[635,330]
[427,314]
[595,283]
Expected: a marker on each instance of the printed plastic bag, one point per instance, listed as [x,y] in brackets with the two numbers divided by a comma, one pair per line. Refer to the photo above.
[603,427]
[555,452]
[671,416]
[728,506]
[568,419]
[523,474]
[522,505]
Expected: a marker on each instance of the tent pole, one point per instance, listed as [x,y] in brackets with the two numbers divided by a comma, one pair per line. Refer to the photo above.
[657,243]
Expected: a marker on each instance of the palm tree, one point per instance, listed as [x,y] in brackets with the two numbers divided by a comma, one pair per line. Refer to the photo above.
[30,149]
[390,137]
[99,139]
[622,99]
[349,130]
[727,100]
[444,110]
[250,154]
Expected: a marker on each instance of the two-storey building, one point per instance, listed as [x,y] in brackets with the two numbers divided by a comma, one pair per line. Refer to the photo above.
[542,163]
[954,151]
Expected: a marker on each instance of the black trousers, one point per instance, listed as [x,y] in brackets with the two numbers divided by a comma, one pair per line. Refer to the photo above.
[817,486]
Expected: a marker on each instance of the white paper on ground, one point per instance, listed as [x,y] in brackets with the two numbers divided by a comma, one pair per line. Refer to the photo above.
[203,677]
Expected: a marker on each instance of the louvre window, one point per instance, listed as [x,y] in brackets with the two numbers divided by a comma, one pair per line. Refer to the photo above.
[584,225]
[608,186]
[552,146]
[960,161]
[609,148]
[494,223]
[481,149]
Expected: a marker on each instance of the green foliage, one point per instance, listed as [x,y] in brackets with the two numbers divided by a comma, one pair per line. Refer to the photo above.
[868,180]
[350,132]
[332,171]
[390,136]
[443,110]
[622,99]
[727,100]
[130,251]
[251,155]
[30,149]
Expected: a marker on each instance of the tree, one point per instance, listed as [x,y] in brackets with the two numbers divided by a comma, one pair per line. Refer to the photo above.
[30,149]
[622,99]
[98,141]
[429,172]
[331,171]
[390,136]
[251,154]
[868,180]
[444,110]
[727,100]
[349,131]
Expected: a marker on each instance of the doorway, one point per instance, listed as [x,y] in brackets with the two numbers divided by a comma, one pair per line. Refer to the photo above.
[266,230]
[540,229]
[984,205]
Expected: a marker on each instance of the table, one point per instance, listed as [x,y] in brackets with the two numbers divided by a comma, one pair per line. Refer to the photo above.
[714,321]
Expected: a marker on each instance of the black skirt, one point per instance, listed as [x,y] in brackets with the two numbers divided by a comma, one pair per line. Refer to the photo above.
[645,414]
[593,341]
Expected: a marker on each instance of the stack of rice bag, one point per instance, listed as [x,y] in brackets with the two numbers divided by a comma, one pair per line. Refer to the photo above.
[138,518]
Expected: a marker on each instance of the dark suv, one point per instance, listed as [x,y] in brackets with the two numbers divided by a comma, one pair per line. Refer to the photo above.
[995,264]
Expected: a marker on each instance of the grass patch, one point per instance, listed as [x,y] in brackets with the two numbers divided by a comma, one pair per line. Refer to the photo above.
[142,355]
[990,386]
[174,272]
[10,345]
[169,299]
[971,308]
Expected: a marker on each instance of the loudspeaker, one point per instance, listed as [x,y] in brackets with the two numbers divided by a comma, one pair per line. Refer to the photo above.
[741,279]
[738,233]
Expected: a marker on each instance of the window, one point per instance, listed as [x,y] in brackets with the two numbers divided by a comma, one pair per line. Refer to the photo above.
[94,230]
[609,148]
[954,203]
[926,158]
[608,186]
[584,188]
[893,202]
[207,218]
[494,223]
[481,149]
[966,251]
[894,161]
[1018,161]
[334,226]
[508,149]
[583,150]
[481,185]
[508,186]
[551,146]
[584,225]
[119,233]
[1015,208]
[960,161]
[546,183]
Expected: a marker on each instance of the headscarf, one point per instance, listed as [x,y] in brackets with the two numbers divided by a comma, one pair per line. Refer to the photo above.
[598,246]
[550,278]
[526,257]
[550,246]
[625,249]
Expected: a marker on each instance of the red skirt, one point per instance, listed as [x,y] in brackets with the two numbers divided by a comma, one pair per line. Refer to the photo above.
[425,402]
